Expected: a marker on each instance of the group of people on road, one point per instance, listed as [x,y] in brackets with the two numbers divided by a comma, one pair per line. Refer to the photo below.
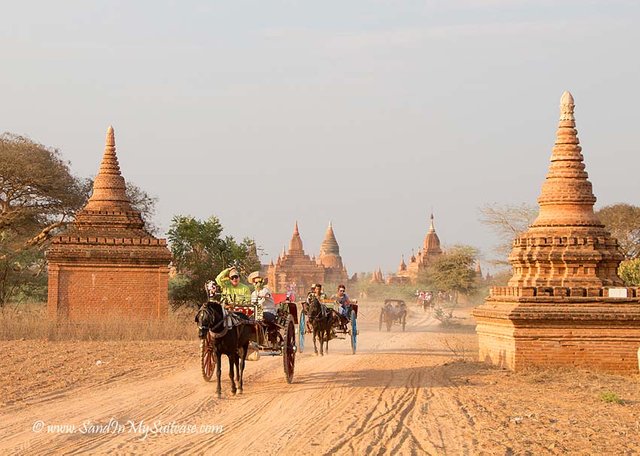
[228,285]
[343,310]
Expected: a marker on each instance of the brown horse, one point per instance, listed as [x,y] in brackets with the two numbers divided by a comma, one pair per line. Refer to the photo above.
[231,341]
[322,321]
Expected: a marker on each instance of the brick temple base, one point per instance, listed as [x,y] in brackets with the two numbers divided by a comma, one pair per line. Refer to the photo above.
[116,291]
[547,331]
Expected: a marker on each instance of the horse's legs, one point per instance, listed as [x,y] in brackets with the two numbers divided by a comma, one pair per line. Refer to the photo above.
[327,335]
[218,356]
[243,357]
[232,363]
[315,334]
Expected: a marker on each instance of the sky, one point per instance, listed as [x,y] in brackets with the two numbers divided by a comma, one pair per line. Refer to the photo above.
[368,114]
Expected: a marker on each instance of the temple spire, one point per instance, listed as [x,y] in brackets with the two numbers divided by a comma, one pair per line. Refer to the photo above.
[566,197]
[566,245]
[295,245]
[329,245]
[109,188]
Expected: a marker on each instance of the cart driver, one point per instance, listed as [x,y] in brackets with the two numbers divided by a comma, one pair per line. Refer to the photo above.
[234,290]
[344,302]
[262,297]
[316,293]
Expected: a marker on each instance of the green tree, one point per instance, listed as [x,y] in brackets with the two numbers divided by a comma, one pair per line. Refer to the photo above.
[623,222]
[38,196]
[454,271]
[629,271]
[200,252]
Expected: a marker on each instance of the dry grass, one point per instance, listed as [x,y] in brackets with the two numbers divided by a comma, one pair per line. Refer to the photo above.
[30,321]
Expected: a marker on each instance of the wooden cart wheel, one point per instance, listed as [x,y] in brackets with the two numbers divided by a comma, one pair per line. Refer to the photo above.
[289,349]
[302,329]
[354,331]
[207,358]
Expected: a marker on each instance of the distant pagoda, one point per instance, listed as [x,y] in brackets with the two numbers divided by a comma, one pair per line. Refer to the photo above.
[426,256]
[330,259]
[294,270]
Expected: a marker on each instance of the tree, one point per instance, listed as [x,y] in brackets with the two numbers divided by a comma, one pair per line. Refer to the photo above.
[629,271]
[38,196]
[507,221]
[454,270]
[623,222]
[200,253]
[38,193]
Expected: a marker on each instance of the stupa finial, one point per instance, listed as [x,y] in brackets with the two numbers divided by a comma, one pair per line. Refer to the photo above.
[566,106]
[111,140]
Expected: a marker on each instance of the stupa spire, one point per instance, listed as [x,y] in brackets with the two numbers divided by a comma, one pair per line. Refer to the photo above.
[566,245]
[567,196]
[109,188]
[329,245]
[295,245]
[431,245]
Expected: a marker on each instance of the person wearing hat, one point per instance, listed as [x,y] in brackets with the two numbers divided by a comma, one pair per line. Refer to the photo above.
[232,288]
[262,297]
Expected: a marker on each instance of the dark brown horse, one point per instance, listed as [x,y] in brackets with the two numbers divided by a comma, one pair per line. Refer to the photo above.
[231,341]
[321,320]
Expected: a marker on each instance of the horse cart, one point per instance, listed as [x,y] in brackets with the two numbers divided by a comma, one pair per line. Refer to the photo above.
[267,339]
[393,311]
[336,326]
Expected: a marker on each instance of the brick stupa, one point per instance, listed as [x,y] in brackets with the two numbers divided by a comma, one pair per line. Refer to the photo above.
[106,264]
[565,304]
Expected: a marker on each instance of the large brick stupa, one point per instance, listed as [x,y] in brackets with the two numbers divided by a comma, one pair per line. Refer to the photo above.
[106,265]
[565,304]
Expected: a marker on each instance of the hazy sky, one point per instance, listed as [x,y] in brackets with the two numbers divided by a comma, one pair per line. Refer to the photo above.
[365,113]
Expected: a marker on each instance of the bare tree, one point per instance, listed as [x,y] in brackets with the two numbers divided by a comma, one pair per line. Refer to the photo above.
[507,221]
[623,222]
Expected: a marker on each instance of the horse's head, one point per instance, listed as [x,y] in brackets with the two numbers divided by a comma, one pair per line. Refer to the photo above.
[314,307]
[208,316]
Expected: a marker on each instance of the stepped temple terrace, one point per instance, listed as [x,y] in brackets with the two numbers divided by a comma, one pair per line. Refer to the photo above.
[294,270]
[565,304]
[106,264]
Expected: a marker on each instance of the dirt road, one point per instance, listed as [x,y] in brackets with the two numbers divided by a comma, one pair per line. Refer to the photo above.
[402,393]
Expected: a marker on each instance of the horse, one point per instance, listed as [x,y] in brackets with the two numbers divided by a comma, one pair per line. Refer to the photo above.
[393,311]
[233,342]
[321,320]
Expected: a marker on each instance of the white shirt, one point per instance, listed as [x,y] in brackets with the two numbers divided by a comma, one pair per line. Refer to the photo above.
[263,297]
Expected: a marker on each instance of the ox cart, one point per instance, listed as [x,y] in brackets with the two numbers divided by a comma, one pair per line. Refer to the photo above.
[277,339]
[341,330]
[393,311]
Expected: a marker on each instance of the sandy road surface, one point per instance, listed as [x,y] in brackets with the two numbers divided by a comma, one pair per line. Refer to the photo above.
[401,394]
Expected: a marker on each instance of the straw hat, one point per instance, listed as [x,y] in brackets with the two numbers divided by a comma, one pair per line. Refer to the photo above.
[254,275]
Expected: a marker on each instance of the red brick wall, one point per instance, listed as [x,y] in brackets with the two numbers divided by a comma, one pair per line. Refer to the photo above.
[87,292]
[598,333]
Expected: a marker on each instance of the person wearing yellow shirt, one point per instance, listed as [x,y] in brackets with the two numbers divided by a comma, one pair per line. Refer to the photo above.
[234,290]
